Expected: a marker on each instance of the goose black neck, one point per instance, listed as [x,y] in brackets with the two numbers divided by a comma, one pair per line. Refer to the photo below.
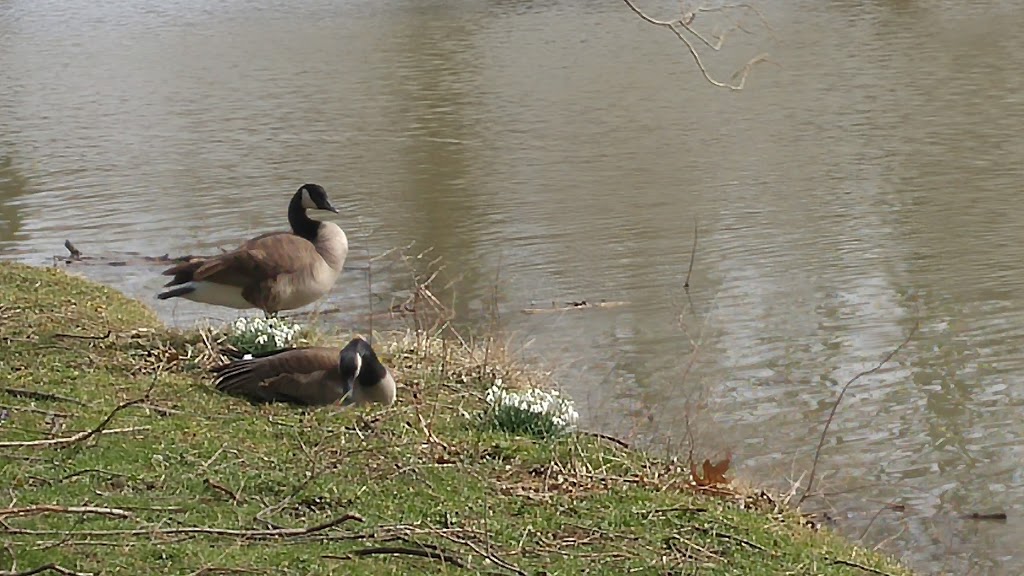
[371,371]
[302,225]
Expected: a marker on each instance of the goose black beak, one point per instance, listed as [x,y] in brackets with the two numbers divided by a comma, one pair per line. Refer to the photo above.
[331,208]
[350,390]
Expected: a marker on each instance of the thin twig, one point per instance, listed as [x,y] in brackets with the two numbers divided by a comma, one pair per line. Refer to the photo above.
[83,336]
[222,488]
[204,571]
[51,567]
[839,399]
[883,508]
[693,254]
[81,436]
[432,554]
[34,395]
[45,508]
[492,557]
[202,530]
[35,410]
[161,410]
[607,437]
[85,471]
[45,568]
[859,566]
[675,25]
[369,284]
[735,538]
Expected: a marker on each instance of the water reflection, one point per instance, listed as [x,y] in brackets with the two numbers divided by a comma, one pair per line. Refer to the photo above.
[13,186]
[435,68]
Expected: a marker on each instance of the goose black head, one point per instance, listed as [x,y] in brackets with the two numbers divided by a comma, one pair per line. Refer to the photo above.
[364,379]
[314,197]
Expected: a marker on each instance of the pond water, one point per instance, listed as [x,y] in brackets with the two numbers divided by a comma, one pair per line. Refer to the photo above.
[865,180]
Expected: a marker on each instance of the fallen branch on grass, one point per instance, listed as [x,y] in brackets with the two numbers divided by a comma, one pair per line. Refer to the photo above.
[859,566]
[81,436]
[34,410]
[161,410]
[839,399]
[45,568]
[490,556]
[34,395]
[726,535]
[607,437]
[46,509]
[204,571]
[194,530]
[222,489]
[84,336]
[431,553]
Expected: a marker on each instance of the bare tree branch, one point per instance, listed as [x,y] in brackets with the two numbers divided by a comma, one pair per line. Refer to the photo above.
[683,24]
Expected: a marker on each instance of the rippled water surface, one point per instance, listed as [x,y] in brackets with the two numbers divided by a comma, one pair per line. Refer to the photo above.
[866,179]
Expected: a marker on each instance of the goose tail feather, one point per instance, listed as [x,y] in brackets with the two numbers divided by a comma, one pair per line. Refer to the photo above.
[175,292]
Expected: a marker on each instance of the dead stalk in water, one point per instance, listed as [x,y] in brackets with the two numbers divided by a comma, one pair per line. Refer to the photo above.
[693,255]
[369,281]
[695,348]
[839,399]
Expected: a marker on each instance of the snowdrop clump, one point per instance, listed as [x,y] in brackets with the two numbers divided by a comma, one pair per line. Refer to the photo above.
[255,335]
[533,411]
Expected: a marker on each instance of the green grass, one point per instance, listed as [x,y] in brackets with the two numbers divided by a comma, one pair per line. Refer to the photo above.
[422,476]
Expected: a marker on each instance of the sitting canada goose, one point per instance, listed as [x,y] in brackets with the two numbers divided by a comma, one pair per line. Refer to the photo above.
[314,376]
[274,271]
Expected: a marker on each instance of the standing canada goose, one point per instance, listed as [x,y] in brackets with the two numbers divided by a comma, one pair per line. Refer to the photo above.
[274,271]
[314,376]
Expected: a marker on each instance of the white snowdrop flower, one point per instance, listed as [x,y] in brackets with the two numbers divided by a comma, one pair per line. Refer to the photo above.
[258,334]
[532,410]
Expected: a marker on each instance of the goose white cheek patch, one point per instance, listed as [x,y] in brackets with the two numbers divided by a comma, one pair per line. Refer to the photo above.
[307,201]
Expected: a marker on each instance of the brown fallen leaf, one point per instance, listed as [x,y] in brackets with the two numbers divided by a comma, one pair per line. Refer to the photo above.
[714,474]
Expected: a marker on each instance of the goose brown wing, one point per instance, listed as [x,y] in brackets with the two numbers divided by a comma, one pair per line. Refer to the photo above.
[307,376]
[262,258]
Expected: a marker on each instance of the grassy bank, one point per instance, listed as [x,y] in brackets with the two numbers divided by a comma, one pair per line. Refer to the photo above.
[183,480]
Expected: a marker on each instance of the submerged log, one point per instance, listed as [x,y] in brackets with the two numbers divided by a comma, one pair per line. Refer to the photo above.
[124,259]
[576,305]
